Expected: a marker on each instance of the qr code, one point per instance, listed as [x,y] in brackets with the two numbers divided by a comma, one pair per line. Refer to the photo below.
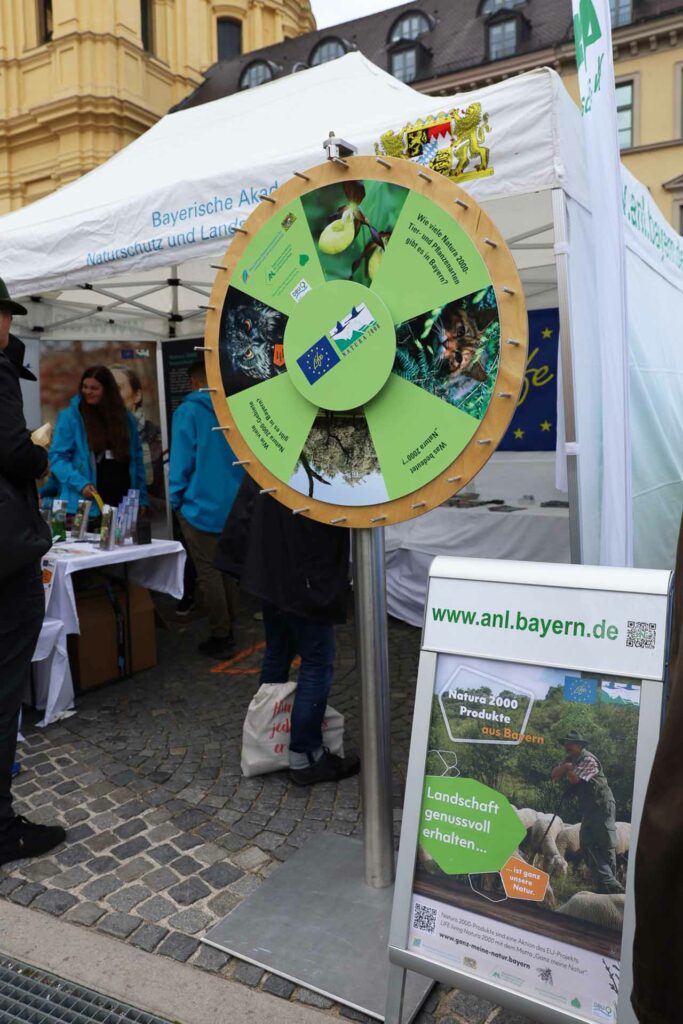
[424,918]
[641,634]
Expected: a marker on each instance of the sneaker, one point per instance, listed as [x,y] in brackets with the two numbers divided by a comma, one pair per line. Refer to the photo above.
[186,605]
[220,647]
[24,839]
[328,768]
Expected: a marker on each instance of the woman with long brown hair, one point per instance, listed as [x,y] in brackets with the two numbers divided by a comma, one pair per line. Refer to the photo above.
[96,446]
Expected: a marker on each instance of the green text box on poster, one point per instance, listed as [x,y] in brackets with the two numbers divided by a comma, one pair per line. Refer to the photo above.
[275,421]
[467,827]
[416,435]
[429,261]
[280,266]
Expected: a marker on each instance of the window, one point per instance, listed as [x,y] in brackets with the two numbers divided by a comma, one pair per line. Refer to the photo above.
[624,92]
[502,39]
[229,38]
[680,218]
[146,26]
[403,64]
[621,12]
[256,74]
[491,6]
[410,26]
[44,21]
[328,49]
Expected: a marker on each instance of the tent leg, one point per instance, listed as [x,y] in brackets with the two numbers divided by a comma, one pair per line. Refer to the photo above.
[562,265]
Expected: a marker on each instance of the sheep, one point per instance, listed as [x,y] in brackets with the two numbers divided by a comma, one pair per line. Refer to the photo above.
[604,910]
[623,829]
[527,816]
[568,844]
[544,833]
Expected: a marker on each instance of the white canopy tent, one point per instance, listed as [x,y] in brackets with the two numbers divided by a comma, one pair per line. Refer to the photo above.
[125,252]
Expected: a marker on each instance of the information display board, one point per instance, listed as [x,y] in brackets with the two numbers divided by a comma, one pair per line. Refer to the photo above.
[537,716]
[366,340]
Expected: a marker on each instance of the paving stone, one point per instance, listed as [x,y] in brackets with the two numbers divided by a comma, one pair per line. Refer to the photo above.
[8,885]
[269,840]
[250,858]
[39,870]
[248,974]
[134,869]
[185,865]
[156,908]
[187,841]
[191,921]
[163,854]
[278,986]
[161,878]
[100,887]
[127,898]
[130,828]
[133,809]
[221,874]
[191,818]
[223,903]
[55,901]
[245,885]
[78,832]
[148,936]
[25,895]
[100,865]
[85,913]
[180,947]
[471,1008]
[101,841]
[74,855]
[130,848]
[162,832]
[120,925]
[189,891]
[72,877]
[211,959]
[305,995]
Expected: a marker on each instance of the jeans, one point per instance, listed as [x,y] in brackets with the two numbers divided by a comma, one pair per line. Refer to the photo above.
[286,636]
[22,608]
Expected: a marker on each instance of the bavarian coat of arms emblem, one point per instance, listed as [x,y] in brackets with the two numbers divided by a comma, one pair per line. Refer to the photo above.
[451,144]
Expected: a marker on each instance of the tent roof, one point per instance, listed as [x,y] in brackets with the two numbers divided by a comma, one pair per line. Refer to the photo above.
[154,203]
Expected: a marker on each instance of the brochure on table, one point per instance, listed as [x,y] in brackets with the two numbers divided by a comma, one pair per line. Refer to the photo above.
[509,878]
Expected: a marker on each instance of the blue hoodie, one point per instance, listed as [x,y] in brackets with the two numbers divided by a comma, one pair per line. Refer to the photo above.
[202,479]
[72,462]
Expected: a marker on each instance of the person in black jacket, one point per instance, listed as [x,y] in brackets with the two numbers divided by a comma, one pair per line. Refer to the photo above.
[299,570]
[22,604]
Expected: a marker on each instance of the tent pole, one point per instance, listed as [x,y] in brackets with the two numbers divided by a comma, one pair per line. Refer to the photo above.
[173,319]
[571,447]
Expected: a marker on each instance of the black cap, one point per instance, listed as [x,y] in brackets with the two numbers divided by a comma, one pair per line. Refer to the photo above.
[574,736]
[8,305]
[14,351]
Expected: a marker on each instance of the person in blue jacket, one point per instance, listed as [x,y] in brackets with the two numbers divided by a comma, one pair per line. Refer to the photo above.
[203,483]
[96,446]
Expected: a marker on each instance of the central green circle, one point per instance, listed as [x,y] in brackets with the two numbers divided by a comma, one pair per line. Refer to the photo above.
[340,345]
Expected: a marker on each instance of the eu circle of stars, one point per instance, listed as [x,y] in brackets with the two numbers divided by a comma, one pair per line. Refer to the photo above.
[534,425]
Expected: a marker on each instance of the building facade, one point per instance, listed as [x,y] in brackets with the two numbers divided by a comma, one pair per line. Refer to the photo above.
[441,48]
[79,79]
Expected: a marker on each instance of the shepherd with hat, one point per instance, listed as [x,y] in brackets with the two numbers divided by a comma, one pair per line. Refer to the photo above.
[598,833]
[24,538]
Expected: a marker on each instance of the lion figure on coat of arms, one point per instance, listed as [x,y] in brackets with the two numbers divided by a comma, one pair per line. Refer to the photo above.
[448,143]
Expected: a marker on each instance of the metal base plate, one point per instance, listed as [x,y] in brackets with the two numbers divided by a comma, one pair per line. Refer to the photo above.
[316,923]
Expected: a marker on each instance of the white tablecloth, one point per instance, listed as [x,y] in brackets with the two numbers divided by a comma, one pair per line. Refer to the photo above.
[533,534]
[158,566]
[52,682]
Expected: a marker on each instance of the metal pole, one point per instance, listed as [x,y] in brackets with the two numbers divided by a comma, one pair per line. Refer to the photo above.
[373,668]
[572,451]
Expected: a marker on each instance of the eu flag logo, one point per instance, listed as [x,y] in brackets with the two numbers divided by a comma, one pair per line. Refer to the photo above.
[580,691]
[319,358]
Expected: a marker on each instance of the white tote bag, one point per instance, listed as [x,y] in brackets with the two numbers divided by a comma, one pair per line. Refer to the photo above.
[265,736]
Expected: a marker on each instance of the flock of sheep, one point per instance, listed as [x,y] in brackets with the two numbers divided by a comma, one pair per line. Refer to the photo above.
[554,845]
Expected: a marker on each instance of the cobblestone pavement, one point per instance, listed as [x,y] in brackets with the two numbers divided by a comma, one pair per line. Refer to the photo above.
[164,835]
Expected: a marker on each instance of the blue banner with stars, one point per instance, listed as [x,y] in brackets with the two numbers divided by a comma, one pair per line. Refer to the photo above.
[534,425]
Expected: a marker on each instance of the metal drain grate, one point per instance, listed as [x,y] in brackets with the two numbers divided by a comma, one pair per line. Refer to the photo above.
[32,995]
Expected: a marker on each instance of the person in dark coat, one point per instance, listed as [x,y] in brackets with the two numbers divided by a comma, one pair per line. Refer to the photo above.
[658,947]
[22,602]
[299,570]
